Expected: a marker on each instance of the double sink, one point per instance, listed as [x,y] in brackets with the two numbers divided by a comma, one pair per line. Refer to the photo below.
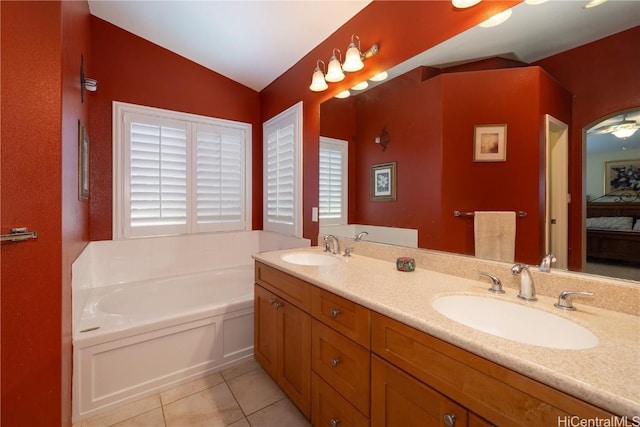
[490,314]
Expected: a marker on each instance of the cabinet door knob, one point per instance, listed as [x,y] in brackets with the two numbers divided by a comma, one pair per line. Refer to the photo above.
[449,419]
[277,305]
[334,312]
[334,422]
[272,300]
[335,362]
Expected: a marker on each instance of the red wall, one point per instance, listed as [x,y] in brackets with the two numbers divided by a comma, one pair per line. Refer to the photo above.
[402,29]
[140,72]
[603,77]
[41,47]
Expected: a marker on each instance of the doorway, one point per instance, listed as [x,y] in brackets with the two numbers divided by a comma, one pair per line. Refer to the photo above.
[557,190]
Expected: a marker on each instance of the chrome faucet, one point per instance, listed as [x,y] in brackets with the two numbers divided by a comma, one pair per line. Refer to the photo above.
[545,264]
[565,299]
[327,244]
[360,235]
[496,284]
[527,290]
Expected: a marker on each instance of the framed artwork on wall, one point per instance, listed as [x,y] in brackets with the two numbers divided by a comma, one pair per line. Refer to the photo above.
[83,163]
[622,177]
[490,143]
[383,182]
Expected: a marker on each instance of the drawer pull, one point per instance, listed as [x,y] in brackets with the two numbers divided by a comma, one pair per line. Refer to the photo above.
[272,300]
[449,419]
[277,305]
[335,362]
[334,312]
[334,422]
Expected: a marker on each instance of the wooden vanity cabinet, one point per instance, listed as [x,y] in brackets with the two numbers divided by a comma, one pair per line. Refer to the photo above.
[282,332]
[496,394]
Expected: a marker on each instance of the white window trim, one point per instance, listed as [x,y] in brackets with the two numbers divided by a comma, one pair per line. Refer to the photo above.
[292,115]
[118,135]
[343,146]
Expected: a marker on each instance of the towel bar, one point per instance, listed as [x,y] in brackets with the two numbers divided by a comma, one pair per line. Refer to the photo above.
[519,214]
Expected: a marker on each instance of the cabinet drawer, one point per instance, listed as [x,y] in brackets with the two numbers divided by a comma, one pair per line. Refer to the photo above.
[346,317]
[501,396]
[292,289]
[331,409]
[343,364]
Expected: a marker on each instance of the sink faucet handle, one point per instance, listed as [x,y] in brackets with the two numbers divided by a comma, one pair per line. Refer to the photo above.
[545,264]
[565,299]
[327,247]
[496,284]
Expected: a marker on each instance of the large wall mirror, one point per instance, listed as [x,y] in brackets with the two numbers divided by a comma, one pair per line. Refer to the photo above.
[425,118]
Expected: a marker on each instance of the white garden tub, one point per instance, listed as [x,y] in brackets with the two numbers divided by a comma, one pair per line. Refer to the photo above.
[138,338]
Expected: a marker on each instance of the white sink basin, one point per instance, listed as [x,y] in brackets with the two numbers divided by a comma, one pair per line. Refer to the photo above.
[515,322]
[310,258]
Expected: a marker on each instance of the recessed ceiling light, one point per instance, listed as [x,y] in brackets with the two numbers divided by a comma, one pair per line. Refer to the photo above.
[496,19]
[593,3]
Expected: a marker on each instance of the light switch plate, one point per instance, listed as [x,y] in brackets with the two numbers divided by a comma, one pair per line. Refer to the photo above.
[314,214]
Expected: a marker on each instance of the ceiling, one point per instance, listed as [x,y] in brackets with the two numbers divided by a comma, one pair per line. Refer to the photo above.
[254,42]
[251,42]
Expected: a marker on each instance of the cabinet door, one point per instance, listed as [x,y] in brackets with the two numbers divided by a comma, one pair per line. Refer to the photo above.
[398,399]
[265,329]
[294,359]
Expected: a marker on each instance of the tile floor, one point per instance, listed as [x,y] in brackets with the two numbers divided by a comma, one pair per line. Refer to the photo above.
[241,396]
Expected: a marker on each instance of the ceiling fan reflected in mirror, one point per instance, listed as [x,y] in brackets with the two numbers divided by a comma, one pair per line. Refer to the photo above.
[619,126]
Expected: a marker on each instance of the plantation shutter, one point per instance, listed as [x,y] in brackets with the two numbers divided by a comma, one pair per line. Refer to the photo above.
[158,175]
[282,174]
[220,180]
[333,180]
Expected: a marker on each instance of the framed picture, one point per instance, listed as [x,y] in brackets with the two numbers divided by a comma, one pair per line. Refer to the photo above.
[490,143]
[83,163]
[383,182]
[622,177]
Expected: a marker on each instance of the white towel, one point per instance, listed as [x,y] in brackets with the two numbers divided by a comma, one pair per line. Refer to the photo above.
[495,235]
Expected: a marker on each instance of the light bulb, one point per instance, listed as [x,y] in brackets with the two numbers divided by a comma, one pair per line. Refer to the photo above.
[334,71]
[496,19]
[352,60]
[318,84]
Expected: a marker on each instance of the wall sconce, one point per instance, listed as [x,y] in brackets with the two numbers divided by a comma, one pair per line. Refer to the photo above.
[90,85]
[318,83]
[334,70]
[383,139]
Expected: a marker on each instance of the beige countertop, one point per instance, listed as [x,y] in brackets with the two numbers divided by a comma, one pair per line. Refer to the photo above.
[607,375]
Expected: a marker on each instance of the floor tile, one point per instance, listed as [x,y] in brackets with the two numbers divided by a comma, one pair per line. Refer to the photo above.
[242,423]
[215,407]
[189,388]
[123,412]
[240,369]
[153,418]
[255,390]
[281,413]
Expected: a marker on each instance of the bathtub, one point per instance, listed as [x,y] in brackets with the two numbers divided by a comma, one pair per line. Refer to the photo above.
[138,338]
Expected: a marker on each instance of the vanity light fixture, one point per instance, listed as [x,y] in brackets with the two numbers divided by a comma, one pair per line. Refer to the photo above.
[343,94]
[360,86]
[379,77]
[318,83]
[496,19]
[593,3]
[463,4]
[334,69]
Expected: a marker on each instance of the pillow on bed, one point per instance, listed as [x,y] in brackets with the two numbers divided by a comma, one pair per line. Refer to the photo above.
[623,223]
[636,226]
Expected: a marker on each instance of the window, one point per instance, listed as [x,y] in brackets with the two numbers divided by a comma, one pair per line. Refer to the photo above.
[178,173]
[333,181]
[283,172]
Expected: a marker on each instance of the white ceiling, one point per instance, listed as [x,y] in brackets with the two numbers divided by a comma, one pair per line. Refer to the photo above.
[251,42]
[254,42]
